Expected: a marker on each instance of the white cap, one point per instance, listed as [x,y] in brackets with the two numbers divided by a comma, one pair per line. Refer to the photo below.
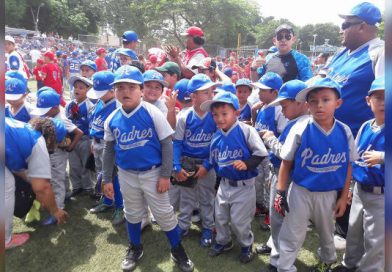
[10,39]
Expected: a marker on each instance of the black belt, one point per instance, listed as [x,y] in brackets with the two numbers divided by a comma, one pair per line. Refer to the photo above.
[237,183]
[146,168]
[378,190]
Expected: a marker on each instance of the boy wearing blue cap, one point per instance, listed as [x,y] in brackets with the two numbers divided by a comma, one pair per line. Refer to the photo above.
[106,104]
[192,139]
[130,41]
[88,68]
[15,94]
[48,103]
[243,91]
[74,64]
[365,240]
[293,111]
[77,111]
[135,129]
[235,151]
[317,156]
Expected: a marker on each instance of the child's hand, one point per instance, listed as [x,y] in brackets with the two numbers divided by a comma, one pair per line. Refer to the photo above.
[201,172]
[341,206]
[239,165]
[349,197]
[266,134]
[163,185]
[108,190]
[182,175]
[372,157]
[171,100]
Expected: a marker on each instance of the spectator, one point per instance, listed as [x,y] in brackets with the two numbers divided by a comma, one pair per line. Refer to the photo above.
[100,60]
[51,75]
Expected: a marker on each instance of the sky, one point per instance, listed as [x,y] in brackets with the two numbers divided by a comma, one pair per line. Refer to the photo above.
[302,12]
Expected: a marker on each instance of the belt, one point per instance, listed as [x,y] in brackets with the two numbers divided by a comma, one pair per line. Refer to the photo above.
[239,183]
[378,190]
[146,168]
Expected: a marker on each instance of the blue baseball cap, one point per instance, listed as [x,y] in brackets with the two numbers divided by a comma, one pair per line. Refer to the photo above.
[102,83]
[181,87]
[365,11]
[228,71]
[14,89]
[244,82]
[377,84]
[85,80]
[319,83]
[59,130]
[130,36]
[90,64]
[152,75]
[289,90]
[15,74]
[227,87]
[270,80]
[128,74]
[127,52]
[201,82]
[47,98]
[225,97]
[59,53]
[74,53]
[272,49]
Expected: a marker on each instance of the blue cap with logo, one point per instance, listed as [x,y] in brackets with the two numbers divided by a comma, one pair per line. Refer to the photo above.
[225,97]
[127,52]
[320,83]
[377,84]
[244,82]
[102,83]
[130,36]
[152,75]
[15,74]
[270,80]
[128,74]
[201,82]
[14,89]
[90,64]
[181,87]
[59,130]
[47,98]
[366,11]
[227,87]
[289,90]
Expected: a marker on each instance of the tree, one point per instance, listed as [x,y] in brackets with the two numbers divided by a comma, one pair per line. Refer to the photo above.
[324,32]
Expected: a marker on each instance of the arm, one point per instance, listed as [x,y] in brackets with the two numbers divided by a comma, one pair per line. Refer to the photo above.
[304,67]
[341,204]
[272,143]
[78,134]
[284,173]
[107,168]
[170,102]
[167,165]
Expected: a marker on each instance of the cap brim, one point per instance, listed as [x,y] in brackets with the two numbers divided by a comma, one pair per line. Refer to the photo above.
[125,40]
[13,97]
[184,34]
[301,96]
[73,79]
[40,111]
[260,86]
[161,69]
[209,85]
[94,94]
[126,80]
[345,16]
[277,101]
[164,83]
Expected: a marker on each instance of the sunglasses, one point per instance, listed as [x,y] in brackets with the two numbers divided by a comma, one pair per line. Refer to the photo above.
[346,25]
[287,37]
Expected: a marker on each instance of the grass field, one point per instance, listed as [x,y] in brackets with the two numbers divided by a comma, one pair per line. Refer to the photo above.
[88,242]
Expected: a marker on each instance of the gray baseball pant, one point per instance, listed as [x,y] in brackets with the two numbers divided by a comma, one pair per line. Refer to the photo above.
[79,175]
[58,161]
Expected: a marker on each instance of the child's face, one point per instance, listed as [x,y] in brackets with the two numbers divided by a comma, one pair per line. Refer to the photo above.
[323,103]
[128,94]
[125,60]
[291,109]
[224,116]
[243,92]
[376,102]
[17,103]
[199,97]
[80,91]
[86,71]
[170,79]
[152,91]
[267,95]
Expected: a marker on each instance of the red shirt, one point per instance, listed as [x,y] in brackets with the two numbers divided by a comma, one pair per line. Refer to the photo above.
[36,72]
[101,64]
[53,77]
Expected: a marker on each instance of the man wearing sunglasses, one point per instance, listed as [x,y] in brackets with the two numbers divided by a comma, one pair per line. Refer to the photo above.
[286,62]
[130,40]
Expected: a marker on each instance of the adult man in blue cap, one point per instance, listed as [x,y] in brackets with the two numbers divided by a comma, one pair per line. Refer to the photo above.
[355,68]
[130,40]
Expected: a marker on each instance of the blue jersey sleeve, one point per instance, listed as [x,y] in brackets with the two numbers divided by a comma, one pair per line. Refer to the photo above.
[304,66]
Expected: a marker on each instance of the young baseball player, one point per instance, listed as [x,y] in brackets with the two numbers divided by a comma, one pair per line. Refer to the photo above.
[135,129]
[88,68]
[74,64]
[77,111]
[106,104]
[317,156]
[243,90]
[192,139]
[236,150]
[365,238]
[153,89]
[48,103]
[15,94]
[293,111]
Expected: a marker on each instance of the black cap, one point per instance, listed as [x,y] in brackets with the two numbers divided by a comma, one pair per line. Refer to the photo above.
[286,27]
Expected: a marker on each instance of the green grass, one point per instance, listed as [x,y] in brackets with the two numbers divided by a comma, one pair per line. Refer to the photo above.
[88,242]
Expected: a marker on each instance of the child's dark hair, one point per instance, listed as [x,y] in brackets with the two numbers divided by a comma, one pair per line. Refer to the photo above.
[46,126]
[221,104]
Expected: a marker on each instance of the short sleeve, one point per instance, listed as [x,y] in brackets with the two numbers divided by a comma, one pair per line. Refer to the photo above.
[293,140]
[179,134]
[38,162]
[253,140]
[108,135]
[162,126]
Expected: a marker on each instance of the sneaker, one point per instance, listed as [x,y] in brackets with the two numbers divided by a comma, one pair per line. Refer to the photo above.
[321,267]
[179,256]
[340,242]
[263,249]
[342,268]
[50,220]
[218,249]
[33,214]
[133,255]
[17,240]
[101,207]
[246,254]
[195,218]
[118,217]
[145,223]
[206,238]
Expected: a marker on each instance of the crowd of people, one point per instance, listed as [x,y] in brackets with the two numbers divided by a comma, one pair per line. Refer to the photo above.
[181,137]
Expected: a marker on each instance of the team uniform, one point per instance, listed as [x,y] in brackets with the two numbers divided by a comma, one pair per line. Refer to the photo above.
[23,114]
[365,238]
[14,61]
[74,66]
[191,141]
[245,112]
[236,197]
[320,163]
[25,150]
